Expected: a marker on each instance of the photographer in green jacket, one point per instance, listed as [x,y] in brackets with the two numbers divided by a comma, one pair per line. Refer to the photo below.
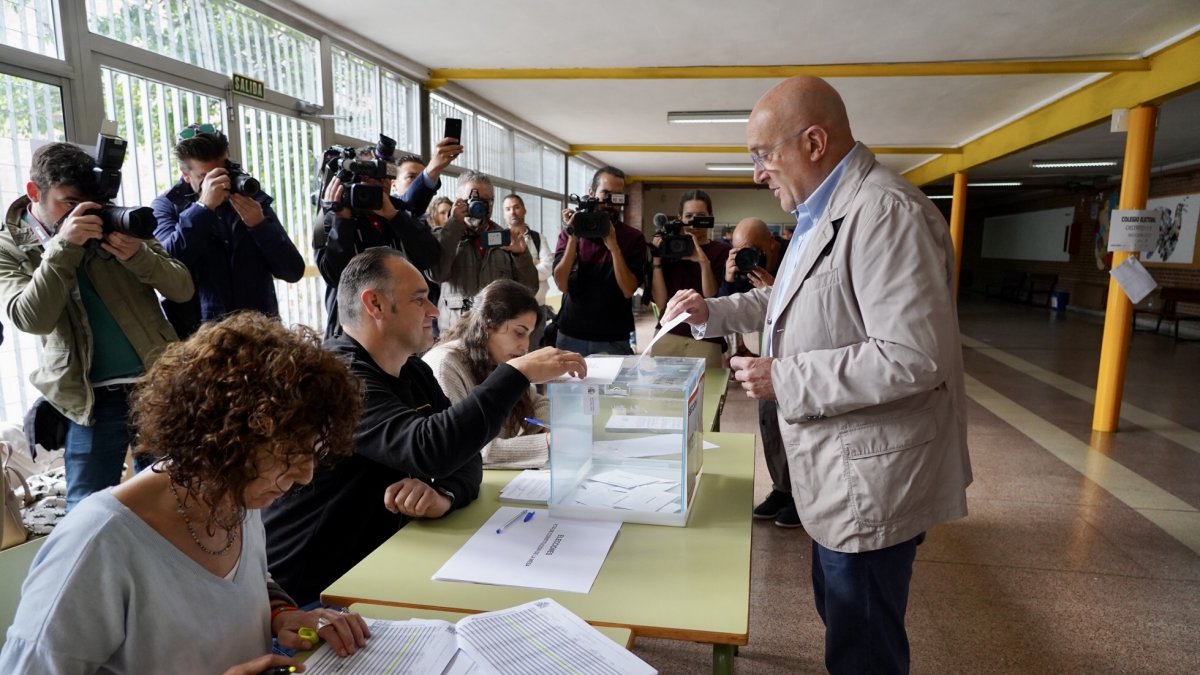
[89,294]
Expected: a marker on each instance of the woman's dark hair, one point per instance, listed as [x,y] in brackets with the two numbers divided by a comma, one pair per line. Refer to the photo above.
[209,405]
[695,195]
[500,301]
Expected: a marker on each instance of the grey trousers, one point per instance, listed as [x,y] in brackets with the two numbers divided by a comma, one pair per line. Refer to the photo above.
[777,465]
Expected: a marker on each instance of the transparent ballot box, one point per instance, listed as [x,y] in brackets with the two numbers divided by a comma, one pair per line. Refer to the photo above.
[631,449]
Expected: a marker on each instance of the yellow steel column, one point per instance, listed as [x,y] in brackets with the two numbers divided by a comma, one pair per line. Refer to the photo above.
[958,219]
[1135,185]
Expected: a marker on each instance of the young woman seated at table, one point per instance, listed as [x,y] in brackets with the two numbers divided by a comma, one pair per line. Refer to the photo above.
[503,316]
[167,572]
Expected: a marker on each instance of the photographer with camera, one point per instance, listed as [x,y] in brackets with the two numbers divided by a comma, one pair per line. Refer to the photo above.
[219,222]
[476,251]
[357,212]
[83,276]
[594,267]
[417,184]
[684,256]
[753,263]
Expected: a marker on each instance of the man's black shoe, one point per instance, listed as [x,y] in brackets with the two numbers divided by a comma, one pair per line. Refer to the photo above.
[775,503]
[788,518]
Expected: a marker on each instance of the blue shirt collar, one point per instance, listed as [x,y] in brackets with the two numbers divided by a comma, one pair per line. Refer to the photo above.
[808,213]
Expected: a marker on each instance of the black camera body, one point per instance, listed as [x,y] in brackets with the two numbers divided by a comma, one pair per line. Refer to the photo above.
[135,221]
[343,163]
[674,244]
[478,207]
[240,182]
[748,259]
[591,222]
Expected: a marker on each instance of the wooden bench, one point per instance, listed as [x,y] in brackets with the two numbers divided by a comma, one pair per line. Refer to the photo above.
[1165,306]
[1040,288]
[1011,286]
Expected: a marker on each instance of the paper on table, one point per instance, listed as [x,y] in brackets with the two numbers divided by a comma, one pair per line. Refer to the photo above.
[1134,279]
[624,479]
[543,637]
[643,423]
[601,370]
[556,554]
[417,647]
[642,446]
[531,486]
[666,328]
[709,445]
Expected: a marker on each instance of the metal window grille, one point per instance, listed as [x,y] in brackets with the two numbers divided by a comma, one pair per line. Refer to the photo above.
[223,36]
[281,151]
[31,25]
[494,149]
[355,95]
[148,114]
[579,176]
[528,159]
[552,169]
[400,118]
[439,110]
[31,113]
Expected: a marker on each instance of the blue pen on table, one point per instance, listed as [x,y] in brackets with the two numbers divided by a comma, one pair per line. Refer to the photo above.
[537,423]
[524,516]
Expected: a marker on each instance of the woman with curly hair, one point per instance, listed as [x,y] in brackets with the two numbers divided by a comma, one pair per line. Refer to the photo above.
[167,572]
[498,327]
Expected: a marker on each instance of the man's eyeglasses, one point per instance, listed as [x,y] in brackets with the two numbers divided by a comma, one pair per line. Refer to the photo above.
[194,130]
[762,158]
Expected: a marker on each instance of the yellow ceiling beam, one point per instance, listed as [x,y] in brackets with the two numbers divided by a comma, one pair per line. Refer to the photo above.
[697,180]
[914,69]
[1173,71]
[736,149]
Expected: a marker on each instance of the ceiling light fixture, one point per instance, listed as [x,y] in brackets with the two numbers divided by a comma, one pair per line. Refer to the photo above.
[718,166]
[940,196]
[1010,183]
[709,117]
[1073,163]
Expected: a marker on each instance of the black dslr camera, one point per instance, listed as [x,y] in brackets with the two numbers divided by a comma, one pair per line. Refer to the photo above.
[747,260]
[240,182]
[675,244]
[590,221]
[478,207]
[135,221]
[343,163]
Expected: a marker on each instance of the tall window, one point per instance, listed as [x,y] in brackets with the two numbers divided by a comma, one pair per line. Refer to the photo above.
[31,25]
[282,152]
[31,114]
[148,114]
[355,95]
[223,36]
[579,176]
[439,110]
[400,111]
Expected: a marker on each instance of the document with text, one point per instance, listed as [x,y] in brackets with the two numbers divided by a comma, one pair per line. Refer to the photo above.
[556,554]
[537,638]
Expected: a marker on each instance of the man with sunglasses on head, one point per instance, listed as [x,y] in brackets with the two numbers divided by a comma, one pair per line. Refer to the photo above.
[862,357]
[219,223]
[90,295]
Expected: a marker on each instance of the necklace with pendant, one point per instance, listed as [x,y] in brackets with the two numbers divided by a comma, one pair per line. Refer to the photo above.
[230,535]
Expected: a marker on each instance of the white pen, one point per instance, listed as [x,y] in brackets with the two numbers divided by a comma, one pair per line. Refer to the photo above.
[525,513]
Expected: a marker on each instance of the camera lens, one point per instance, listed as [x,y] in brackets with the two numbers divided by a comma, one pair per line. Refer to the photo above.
[245,184]
[747,259]
[135,221]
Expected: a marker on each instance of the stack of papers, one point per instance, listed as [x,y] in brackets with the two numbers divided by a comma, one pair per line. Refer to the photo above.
[531,486]
[536,638]
[617,489]
[555,554]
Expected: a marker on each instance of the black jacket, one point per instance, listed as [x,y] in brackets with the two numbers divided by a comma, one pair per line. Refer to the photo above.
[408,428]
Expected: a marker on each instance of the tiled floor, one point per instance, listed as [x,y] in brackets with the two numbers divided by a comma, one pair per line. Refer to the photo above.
[1081,553]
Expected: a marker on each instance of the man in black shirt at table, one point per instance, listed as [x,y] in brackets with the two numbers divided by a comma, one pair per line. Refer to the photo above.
[411,447]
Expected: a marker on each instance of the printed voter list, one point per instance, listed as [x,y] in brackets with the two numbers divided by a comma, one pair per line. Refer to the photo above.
[555,554]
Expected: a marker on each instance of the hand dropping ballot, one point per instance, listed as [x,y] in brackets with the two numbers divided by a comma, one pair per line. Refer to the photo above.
[530,549]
